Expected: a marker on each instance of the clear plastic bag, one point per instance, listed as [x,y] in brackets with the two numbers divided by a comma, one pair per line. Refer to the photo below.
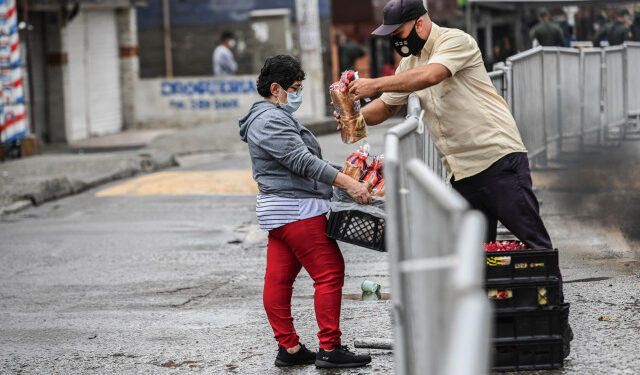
[342,201]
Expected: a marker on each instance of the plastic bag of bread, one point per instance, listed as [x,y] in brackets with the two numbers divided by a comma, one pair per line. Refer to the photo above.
[378,190]
[356,163]
[373,175]
[352,125]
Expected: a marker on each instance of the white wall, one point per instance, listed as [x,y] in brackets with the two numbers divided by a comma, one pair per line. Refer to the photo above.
[198,100]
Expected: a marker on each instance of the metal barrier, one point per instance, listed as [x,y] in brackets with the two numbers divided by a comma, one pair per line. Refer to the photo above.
[433,249]
[551,101]
[470,325]
[591,73]
[501,78]
[569,102]
[614,89]
[632,59]
[401,144]
[528,101]
[441,315]
[557,94]
[499,81]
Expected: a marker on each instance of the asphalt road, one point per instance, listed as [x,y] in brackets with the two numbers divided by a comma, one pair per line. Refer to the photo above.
[155,278]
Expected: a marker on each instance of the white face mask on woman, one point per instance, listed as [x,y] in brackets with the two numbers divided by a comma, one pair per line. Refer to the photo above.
[294,100]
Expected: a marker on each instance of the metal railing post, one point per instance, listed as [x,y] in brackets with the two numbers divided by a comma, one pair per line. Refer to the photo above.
[395,244]
[560,102]
[603,95]
[582,100]
[468,340]
[625,92]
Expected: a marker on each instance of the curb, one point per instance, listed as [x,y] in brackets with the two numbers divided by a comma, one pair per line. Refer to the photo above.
[59,187]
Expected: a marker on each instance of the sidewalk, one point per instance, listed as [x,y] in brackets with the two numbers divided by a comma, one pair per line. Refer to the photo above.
[70,169]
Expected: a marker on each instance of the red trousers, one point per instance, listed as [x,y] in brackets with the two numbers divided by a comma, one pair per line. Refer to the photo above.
[304,244]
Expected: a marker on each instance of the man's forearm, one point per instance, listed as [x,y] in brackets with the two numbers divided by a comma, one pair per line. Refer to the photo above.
[378,112]
[413,80]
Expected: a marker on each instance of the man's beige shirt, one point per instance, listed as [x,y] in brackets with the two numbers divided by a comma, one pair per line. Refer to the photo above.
[470,124]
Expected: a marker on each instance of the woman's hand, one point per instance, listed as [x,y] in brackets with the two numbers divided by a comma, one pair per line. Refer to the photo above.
[359,192]
[355,189]
[336,116]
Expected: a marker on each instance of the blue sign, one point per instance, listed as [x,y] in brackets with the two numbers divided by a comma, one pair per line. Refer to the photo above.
[197,93]
[208,87]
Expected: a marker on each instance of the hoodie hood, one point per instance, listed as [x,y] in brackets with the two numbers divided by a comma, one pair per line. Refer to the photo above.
[256,110]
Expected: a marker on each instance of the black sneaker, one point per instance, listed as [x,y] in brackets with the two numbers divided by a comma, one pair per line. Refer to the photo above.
[302,357]
[341,357]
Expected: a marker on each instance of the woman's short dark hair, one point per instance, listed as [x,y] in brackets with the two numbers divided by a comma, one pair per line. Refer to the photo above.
[281,69]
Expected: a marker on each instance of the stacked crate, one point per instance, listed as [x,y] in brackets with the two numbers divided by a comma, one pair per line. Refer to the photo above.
[531,319]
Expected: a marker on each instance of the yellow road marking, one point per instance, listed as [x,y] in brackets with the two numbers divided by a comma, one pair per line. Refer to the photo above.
[184,183]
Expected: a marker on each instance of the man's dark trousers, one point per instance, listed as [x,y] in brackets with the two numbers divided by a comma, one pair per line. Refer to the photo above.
[504,192]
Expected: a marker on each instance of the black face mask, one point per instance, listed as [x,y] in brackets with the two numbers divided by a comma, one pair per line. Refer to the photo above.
[411,45]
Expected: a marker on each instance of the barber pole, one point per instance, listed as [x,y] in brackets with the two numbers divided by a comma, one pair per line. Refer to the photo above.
[13,125]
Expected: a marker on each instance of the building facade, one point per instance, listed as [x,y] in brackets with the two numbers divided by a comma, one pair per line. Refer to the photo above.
[83,68]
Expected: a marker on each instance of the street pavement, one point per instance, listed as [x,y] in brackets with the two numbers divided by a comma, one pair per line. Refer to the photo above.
[163,272]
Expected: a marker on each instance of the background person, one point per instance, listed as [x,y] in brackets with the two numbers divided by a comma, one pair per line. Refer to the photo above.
[295,188]
[635,27]
[546,32]
[348,51]
[616,32]
[224,63]
[470,124]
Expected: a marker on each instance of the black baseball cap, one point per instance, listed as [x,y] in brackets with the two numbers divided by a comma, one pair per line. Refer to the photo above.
[397,12]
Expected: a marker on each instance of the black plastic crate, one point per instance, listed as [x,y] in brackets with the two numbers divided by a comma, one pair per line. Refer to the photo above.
[529,322]
[522,264]
[513,294]
[358,228]
[528,355]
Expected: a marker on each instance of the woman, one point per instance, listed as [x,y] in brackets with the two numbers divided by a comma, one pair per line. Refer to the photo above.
[295,187]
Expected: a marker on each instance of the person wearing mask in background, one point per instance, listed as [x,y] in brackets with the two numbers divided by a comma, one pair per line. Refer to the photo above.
[295,185]
[635,27]
[223,62]
[546,32]
[470,124]
[616,32]
[348,51]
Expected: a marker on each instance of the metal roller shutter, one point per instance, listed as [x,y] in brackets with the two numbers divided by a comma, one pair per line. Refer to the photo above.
[76,106]
[103,68]
[94,106]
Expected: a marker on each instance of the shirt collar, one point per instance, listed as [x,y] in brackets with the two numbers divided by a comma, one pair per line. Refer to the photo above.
[433,35]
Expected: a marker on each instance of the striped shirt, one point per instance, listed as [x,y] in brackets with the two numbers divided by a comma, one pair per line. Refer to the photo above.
[274,211]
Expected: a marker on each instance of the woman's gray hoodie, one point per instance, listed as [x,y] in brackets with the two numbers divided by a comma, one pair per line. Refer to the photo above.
[285,156]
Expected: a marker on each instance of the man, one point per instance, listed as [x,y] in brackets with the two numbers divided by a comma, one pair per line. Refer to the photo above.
[546,32]
[223,62]
[635,27]
[468,121]
[616,32]
[348,51]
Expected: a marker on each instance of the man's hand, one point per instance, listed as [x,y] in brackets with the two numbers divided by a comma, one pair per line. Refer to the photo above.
[363,88]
